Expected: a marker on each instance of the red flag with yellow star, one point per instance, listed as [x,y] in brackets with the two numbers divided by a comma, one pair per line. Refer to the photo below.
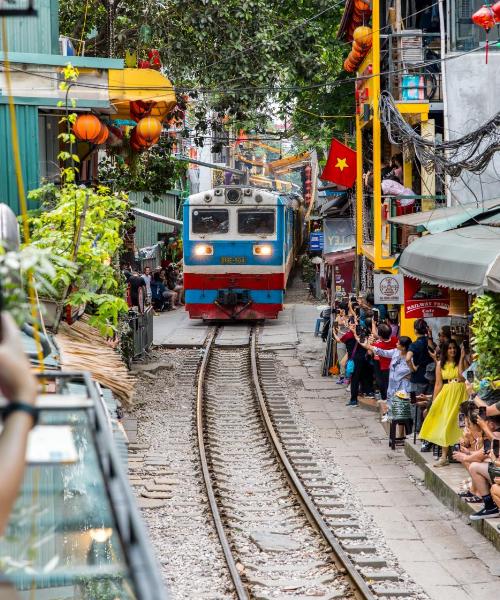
[340,167]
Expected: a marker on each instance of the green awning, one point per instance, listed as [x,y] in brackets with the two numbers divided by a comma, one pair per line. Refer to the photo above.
[462,259]
[444,219]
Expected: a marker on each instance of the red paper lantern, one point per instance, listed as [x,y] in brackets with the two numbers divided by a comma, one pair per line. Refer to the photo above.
[484,17]
[87,127]
[496,11]
[149,129]
[140,109]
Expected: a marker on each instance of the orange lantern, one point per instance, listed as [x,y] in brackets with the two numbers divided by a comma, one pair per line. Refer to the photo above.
[349,66]
[149,129]
[363,36]
[102,137]
[140,109]
[87,127]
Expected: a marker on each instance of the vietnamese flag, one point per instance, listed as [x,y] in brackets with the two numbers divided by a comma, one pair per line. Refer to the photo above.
[341,165]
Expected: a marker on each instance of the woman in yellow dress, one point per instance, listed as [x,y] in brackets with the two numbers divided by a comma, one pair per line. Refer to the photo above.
[441,423]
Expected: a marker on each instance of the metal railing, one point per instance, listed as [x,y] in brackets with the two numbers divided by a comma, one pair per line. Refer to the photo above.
[410,60]
[396,237]
[141,325]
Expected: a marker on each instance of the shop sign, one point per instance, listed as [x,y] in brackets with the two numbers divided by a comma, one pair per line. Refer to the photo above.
[339,234]
[342,278]
[388,289]
[423,300]
[316,240]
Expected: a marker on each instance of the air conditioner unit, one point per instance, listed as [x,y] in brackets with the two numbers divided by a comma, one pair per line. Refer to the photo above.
[412,51]
[66,46]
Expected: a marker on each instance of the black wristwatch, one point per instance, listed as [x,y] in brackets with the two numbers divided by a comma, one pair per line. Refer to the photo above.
[23,407]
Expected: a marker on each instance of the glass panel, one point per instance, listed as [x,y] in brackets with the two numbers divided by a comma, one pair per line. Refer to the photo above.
[61,541]
[256,221]
[210,221]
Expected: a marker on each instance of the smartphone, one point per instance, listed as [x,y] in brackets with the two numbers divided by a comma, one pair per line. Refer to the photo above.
[470,376]
[375,315]
[461,420]
[466,347]
[482,412]
[359,330]
[456,447]
[413,397]
[487,446]
[496,448]
[351,320]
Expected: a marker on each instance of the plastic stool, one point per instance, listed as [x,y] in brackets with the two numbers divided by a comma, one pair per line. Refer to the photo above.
[318,327]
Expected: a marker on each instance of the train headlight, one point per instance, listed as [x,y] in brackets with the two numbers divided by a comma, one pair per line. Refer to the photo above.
[203,250]
[263,250]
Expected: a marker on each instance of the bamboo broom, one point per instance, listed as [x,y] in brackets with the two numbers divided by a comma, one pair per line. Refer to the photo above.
[84,349]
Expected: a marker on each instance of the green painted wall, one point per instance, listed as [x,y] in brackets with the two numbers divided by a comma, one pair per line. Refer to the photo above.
[27,125]
[38,34]
[146,233]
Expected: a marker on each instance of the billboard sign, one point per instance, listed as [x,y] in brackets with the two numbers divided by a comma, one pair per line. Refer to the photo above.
[339,234]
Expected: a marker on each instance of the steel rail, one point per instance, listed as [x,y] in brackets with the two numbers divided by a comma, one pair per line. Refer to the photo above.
[361,589]
[239,586]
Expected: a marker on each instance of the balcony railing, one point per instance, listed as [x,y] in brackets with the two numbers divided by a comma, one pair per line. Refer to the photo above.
[396,237]
[410,61]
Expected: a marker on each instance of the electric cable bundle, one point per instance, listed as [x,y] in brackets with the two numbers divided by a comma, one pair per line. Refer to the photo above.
[471,152]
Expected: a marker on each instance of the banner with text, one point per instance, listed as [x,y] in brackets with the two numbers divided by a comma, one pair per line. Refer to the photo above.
[339,235]
[423,300]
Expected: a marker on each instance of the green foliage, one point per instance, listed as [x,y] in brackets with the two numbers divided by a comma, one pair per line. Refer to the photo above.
[241,50]
[308,269]
[14,266]
[154,171]
[486,330]
[96,281]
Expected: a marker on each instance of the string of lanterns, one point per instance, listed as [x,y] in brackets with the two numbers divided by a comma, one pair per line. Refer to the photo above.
[88,128]
[487,17]
[360,47]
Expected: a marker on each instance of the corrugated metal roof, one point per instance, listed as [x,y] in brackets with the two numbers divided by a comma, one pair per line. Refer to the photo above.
[27,127]
[146,233]
[38,34]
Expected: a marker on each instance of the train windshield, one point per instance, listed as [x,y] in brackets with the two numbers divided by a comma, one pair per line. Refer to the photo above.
[256,221]
[210,220]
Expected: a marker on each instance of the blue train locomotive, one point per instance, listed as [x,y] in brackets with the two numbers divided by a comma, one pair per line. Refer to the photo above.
[239,248]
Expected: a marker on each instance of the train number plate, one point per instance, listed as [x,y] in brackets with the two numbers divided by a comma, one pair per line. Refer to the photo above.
[233,260]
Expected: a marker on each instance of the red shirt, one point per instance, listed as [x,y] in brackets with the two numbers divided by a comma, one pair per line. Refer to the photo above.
[385,363]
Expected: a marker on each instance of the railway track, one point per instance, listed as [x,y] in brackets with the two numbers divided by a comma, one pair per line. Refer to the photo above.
[275,518]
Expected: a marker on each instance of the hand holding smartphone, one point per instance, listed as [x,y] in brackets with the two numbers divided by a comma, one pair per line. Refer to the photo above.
[470,376]
[482,412]
[496,448]
[486,446]
[461,420]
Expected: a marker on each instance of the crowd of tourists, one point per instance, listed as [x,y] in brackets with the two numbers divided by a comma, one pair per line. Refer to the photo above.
[162,287]
[427,380]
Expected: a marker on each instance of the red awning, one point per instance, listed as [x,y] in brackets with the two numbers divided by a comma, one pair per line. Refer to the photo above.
[344,256]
